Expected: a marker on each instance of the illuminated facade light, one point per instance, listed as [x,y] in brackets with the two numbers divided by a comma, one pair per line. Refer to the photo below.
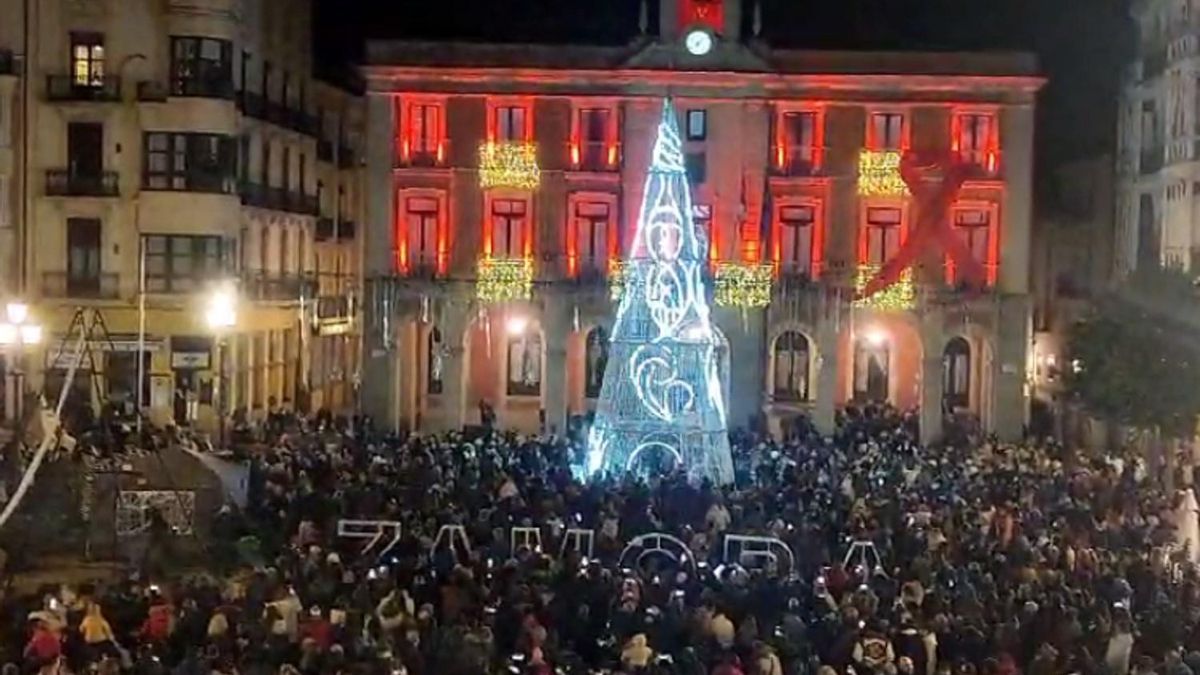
[879,174]
[898,297]
[743,285]
[617,273]
[509,164]
[504,280]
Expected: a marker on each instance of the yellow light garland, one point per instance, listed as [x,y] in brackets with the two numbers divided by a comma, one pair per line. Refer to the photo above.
[511,164]
[746,285]
[879,174]
[898,297]
[504,279]
[616,279]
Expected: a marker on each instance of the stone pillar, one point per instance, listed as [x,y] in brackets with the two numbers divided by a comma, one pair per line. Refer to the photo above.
[931,375]
[824,403]
[1010,400]
[556,327]
[381,366]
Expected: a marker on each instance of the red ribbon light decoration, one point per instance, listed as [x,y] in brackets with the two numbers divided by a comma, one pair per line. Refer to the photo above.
[934,183]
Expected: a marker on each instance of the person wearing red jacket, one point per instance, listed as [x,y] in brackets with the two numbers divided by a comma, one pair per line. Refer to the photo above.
[44,647]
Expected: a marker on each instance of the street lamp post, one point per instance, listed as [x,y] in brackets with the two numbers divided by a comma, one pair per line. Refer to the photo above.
[16,332]
[221,317]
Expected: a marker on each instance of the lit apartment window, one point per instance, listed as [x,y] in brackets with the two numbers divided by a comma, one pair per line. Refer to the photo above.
[887,131]
[87,59]
[796,226]
[511,123]
[591,232]
[423,215]
[510,219]
[882,234]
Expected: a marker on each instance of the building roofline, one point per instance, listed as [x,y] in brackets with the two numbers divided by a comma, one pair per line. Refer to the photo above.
[552,57]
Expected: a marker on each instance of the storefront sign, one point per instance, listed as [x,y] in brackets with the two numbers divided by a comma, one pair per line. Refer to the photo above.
[190,360]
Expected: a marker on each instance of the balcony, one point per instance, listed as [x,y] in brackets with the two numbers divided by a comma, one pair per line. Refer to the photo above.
[427,156]
[302,122]
[798,161]
[102,286]
[67,88]
[324,150]
[66,183]
[422,267]
[277,113]
[254,194]
[269,287]
[1151,160]
[252,104]
[1154,64]
[346,159]
[596,156]
[334,307]
[298,202]
[151,91]
[327,229]
[7,63]
[203,87]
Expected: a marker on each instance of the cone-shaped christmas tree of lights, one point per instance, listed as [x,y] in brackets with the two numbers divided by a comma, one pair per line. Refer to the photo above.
[662,396]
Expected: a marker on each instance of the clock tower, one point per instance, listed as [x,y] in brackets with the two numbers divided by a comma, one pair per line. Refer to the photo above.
[721,19]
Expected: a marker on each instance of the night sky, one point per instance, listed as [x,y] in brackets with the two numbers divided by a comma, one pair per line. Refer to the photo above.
[1082,44]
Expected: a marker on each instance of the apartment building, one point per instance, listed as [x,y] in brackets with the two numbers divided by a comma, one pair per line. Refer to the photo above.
[498,212]
[163,150]
[1158,148]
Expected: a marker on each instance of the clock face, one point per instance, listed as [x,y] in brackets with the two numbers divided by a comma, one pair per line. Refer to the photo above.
[698,42]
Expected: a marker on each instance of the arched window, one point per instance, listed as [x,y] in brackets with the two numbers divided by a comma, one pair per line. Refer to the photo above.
[872,368]
[525,363]
[956,374]
[595,360]
[434,361]
[791,367]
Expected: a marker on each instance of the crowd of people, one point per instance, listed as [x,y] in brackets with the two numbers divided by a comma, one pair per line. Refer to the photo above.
[973,558]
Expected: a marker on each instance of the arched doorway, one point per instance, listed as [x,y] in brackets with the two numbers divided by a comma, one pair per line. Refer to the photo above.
[956,375]
[435,352]
[524,363]
[790,377]
[872,367]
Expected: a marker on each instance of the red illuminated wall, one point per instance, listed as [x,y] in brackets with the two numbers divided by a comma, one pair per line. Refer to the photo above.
[710,13]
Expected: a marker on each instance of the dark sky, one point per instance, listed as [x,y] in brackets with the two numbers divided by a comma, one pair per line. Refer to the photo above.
[1082,44]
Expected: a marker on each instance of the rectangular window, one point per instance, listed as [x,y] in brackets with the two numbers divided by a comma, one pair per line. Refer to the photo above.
[287,168]
[800,134]
[887,131]
[83,257]
[697,125]
[509,221]
[424,128]
[974,139]
[183,264]
[423,215]
[974,226]
[87,59]
[591,232]
[192,162]
[201,66]
[883,234]
[265,169]
[512,123]
[702,219]
[796,225]
[593,137]
[696,165]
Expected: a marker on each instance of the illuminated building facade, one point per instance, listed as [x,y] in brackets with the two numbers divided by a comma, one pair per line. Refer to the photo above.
[501,209]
